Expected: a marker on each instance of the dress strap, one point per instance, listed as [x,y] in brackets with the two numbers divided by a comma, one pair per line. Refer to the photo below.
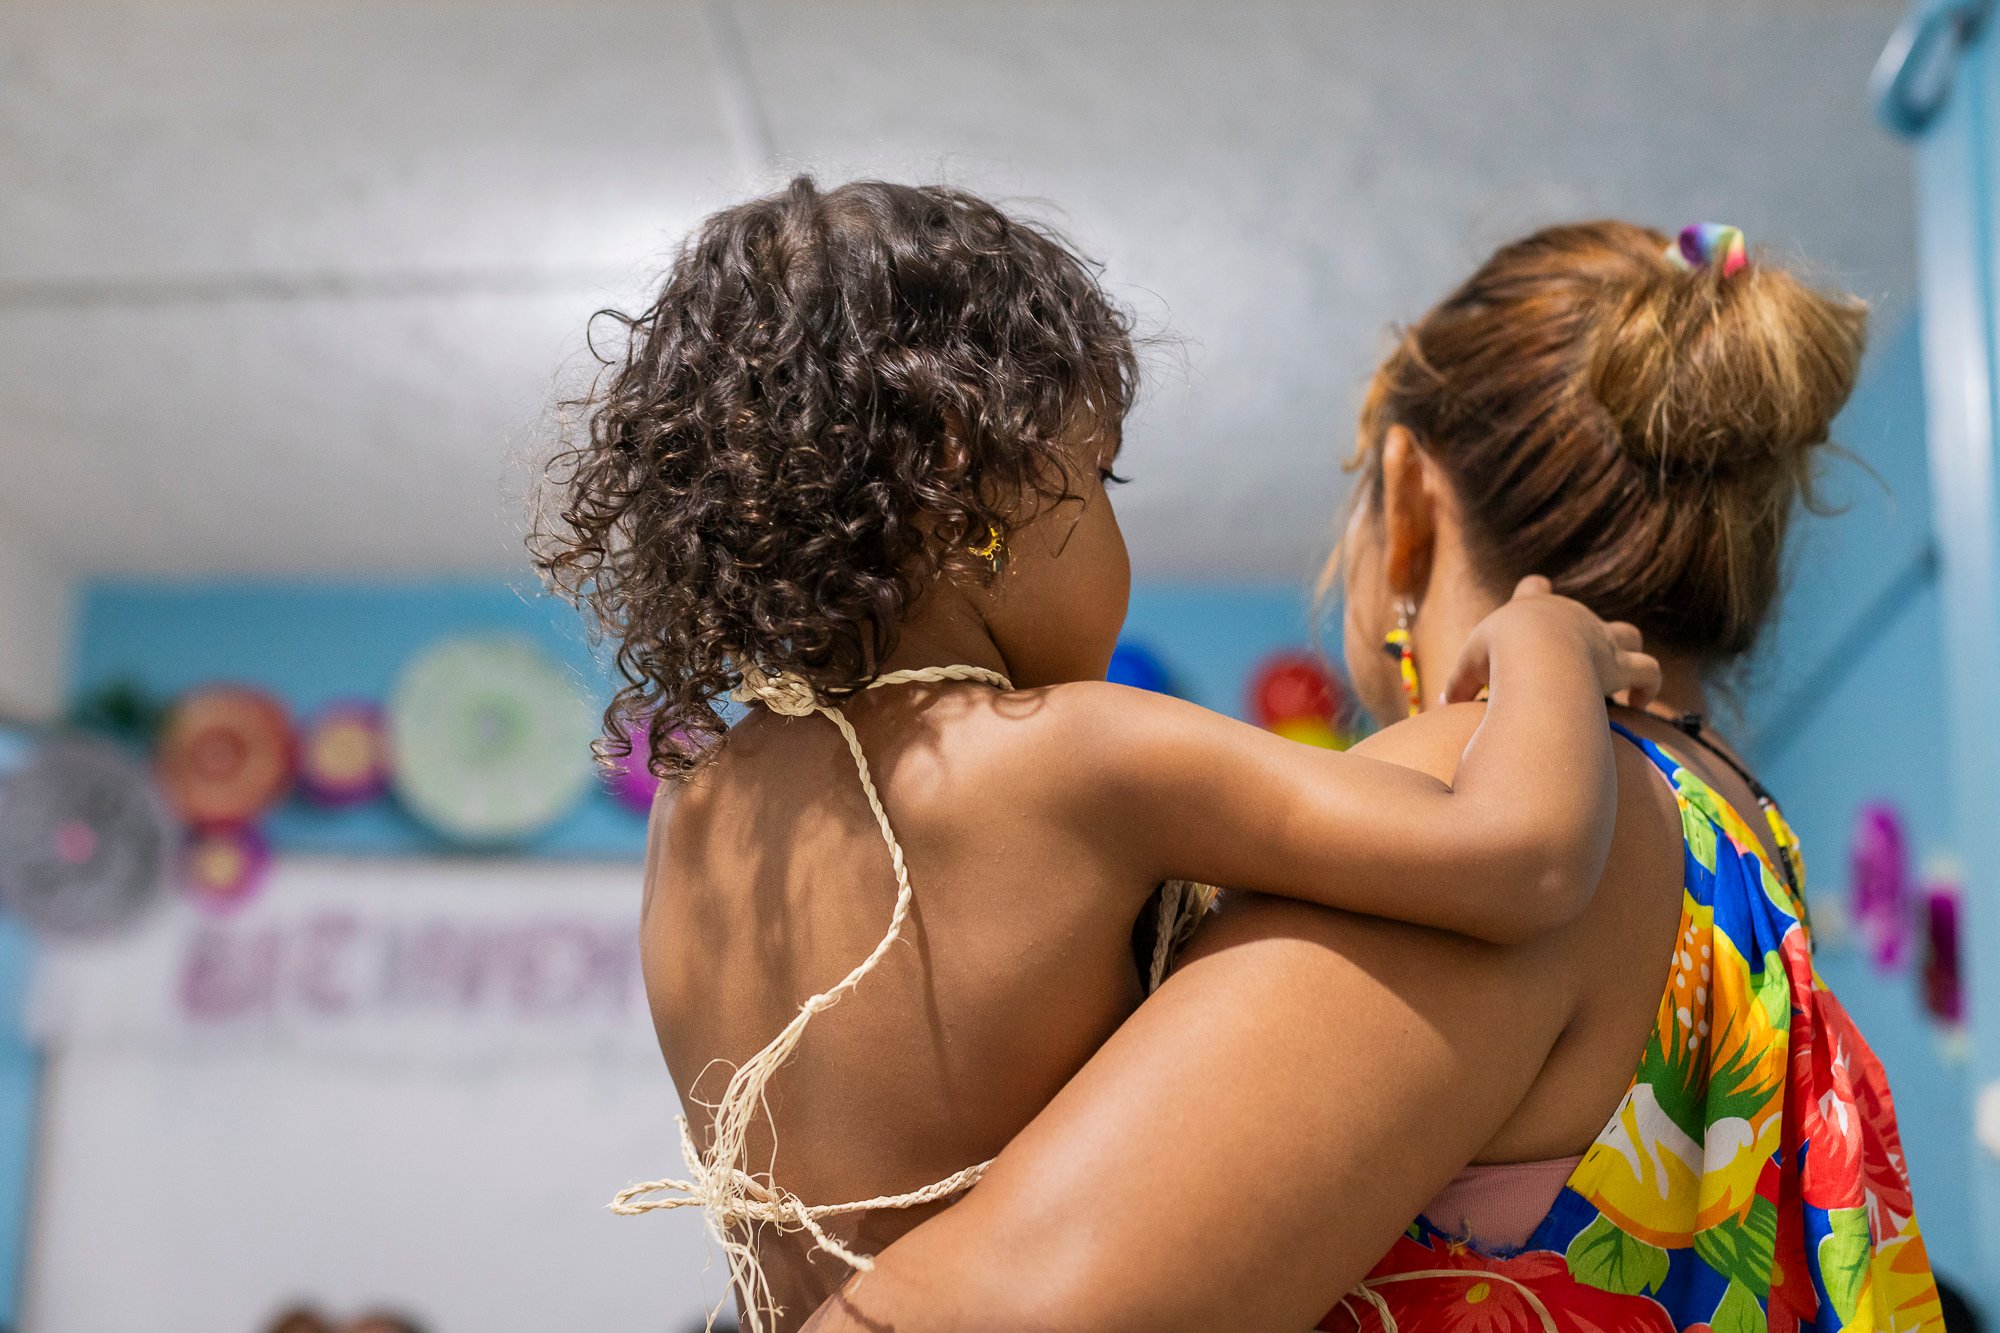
[1790,863]
[734,1199]
[1660,758]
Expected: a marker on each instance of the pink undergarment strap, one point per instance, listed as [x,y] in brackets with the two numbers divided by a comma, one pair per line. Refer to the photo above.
[1499,1206]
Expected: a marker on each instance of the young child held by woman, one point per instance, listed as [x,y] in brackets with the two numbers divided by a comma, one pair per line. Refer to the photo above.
[853,469]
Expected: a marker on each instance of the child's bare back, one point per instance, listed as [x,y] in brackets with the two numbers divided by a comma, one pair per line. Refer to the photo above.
[768,880]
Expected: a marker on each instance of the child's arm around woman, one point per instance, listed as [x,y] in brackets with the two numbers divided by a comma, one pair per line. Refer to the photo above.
[1510,850]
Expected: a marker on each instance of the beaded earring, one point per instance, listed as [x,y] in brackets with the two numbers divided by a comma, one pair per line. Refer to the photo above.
[1396,643]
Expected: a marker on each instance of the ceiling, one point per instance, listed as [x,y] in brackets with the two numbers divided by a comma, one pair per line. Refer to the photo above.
[287,287]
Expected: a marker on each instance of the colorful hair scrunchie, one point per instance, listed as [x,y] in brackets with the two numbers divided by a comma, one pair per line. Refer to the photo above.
[1710,245]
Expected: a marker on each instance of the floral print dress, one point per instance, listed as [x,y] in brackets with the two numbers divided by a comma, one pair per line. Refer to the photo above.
[1752,1178]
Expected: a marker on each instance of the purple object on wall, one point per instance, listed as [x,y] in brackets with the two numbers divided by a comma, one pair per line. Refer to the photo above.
[1944,987]
[1879,894]
[628,778]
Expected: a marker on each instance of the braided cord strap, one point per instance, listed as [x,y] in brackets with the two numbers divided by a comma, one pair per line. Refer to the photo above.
[1183,904]
[734,1200]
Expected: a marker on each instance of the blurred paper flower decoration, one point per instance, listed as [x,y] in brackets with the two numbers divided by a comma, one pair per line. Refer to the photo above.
[627,777]
[225,756]
[224,866]
[85,841]
[1296,696]
[1943,971]
[122,710]
[344,755]
[489,740]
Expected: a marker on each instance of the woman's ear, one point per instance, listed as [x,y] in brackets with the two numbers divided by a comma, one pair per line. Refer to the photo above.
[1409,513]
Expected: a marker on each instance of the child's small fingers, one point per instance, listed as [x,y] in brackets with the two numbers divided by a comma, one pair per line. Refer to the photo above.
[1467,679]
[1642,678]
[1533,586]
[1625,636]
[1464,688]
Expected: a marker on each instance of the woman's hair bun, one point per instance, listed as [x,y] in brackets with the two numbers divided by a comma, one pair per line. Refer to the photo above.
[1634,418]
[1708,377]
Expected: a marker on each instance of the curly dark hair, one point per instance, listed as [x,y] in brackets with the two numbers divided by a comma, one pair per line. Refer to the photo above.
[834,395]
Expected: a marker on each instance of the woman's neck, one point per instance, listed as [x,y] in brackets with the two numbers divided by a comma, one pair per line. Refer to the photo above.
[1682,689]
[1446,619]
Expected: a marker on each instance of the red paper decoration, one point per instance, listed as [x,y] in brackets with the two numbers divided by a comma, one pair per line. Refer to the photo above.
[226,755]
[1294,687]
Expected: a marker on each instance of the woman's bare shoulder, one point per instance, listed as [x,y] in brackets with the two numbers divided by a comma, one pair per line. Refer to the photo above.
[1432,742]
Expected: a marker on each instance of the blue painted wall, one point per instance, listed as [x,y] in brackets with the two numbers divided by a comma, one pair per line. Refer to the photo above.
[1847,707]
[1212,636]
[19,1068]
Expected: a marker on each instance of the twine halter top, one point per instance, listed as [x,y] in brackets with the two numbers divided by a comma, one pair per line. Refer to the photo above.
[736,1201]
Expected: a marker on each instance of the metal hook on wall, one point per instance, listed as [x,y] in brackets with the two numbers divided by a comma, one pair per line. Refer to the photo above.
[1913,78]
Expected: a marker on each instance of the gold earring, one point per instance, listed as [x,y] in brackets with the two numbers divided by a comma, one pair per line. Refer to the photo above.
[1397,644]
[990,552]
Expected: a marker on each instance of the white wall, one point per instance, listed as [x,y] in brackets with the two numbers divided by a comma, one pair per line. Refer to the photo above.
[199,1197]
[37,603]
[205,1162]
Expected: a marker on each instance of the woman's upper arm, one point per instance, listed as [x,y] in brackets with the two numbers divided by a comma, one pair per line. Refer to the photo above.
[1245,1147]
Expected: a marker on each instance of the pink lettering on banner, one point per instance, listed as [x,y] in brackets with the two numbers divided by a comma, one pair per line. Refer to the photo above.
[542,984]
[337,966]
[431,964]
[566,967]
[322,945]
[230,974]
[614,967]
